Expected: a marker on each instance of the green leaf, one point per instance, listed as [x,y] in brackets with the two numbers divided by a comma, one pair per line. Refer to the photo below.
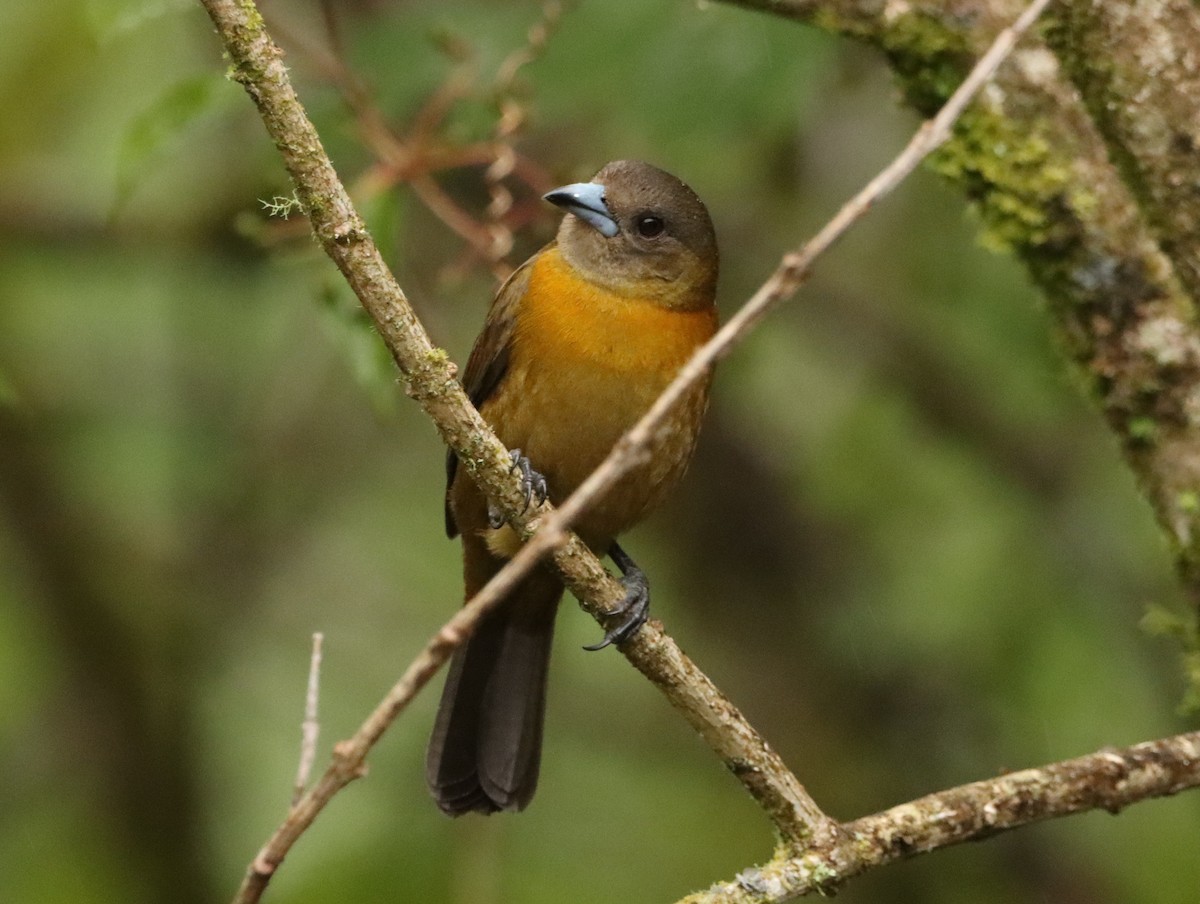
[156,127]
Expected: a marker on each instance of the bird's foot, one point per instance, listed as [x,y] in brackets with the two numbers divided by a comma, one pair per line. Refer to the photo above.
[634,609]
[533,485]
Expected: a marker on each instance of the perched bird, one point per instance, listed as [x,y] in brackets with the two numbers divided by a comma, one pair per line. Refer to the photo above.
[577,345]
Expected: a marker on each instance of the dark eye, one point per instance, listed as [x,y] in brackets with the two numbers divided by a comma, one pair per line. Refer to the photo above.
[648,226]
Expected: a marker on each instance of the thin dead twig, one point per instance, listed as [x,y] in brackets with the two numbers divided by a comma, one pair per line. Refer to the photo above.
[310,728]
[415,154]
[513,116]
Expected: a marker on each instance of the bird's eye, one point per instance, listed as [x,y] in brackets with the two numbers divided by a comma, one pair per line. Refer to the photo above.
[648,226]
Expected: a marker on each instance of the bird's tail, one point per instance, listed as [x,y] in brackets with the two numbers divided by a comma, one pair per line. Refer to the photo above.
[487,739]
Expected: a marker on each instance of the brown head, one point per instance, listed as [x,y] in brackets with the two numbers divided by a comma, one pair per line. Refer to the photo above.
[639,231]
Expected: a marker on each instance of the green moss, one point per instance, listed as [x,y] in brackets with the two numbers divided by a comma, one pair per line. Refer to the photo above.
[1011,176]
[929,59]
[1141,430]
[254,19]
[1083,200]
[825,879]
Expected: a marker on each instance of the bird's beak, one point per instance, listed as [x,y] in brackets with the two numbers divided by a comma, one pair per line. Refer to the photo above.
[586,201]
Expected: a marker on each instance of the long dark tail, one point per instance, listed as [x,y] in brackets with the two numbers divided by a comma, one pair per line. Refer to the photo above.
[487,740]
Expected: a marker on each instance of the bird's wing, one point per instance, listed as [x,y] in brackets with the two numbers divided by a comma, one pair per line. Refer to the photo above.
[489,360]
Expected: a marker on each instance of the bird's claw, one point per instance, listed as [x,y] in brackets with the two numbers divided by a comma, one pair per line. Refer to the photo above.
[533,485]
[532,482]
[635,608]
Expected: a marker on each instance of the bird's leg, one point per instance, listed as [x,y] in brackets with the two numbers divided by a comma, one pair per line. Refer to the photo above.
[533,484]
[636,606]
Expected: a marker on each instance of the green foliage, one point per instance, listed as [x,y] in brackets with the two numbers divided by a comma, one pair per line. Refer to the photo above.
[364,354]
[9,396]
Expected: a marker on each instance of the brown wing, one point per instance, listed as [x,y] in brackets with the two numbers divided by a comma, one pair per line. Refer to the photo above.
[489,360]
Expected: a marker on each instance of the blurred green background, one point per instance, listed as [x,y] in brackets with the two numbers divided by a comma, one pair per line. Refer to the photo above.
[907,548]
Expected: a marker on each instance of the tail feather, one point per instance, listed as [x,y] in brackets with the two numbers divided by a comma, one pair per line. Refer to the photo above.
[486,745]
[510,730]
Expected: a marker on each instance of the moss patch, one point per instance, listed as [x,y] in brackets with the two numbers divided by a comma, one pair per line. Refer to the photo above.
[1010,176]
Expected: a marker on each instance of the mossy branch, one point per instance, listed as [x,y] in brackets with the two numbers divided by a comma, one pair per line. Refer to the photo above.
[1137,68]
[1115,247]
[1106,780]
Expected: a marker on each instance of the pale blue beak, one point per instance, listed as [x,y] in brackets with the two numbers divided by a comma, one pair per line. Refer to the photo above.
[586,201]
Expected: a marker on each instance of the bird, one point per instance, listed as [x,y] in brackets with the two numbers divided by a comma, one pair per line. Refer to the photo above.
[577,344]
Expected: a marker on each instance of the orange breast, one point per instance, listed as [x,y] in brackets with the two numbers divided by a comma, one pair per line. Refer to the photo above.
[584,365]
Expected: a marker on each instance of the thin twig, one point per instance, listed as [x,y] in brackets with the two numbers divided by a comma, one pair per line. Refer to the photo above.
[442,206]
[310,729]
[513,117]
[414,156]
[333,29]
